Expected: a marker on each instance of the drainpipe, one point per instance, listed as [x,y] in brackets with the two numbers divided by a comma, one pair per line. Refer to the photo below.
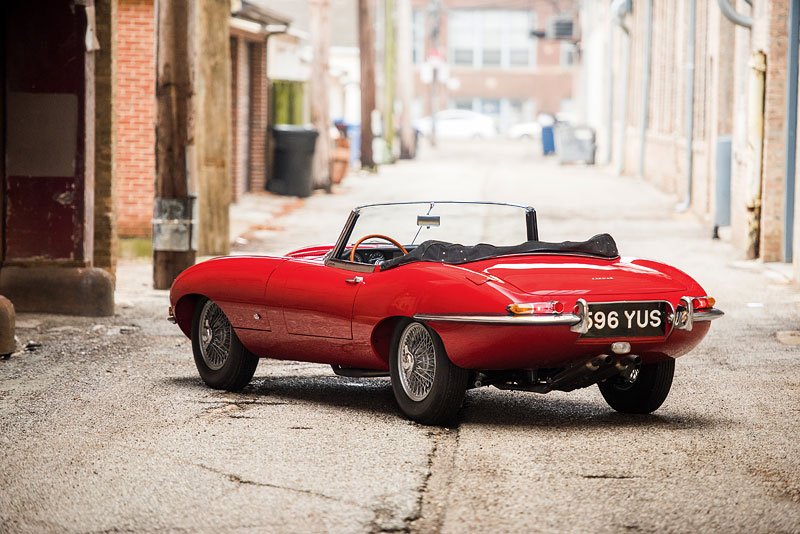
[755,143]
[609,114]
[791,131]
[619,9]
[690,49]
[648,59]
[733,15]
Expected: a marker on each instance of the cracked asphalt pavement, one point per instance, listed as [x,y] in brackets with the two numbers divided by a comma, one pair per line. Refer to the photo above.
[106,425]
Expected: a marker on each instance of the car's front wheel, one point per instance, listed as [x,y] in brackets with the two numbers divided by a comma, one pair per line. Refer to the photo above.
[642,390]
[428,387]
[221,359]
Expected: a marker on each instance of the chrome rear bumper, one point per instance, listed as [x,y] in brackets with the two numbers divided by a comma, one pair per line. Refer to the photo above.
[562,319]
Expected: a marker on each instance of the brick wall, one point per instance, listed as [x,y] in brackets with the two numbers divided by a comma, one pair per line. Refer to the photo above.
[773,171]
[240,115]
[665,150]
[258,116]
[135,117]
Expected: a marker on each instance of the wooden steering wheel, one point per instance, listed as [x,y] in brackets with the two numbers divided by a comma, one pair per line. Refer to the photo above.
[375,236]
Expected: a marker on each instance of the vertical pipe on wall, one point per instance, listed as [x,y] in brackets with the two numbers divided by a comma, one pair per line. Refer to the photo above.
[791,131]
[625,42]
[648,59]
[691,36]
[609,112]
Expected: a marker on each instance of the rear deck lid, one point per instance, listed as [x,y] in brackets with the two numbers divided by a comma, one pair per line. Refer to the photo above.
[573,275]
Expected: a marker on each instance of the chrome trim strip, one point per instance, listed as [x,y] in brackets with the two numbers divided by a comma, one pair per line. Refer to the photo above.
[477,202]
[565,319]
[708,315]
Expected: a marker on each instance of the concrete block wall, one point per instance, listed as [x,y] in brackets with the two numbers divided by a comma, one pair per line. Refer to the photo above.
[135,117]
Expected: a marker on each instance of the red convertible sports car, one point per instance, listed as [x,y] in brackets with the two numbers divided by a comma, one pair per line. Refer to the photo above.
[446,296]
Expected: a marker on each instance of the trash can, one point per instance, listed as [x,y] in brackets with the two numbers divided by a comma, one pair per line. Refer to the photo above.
[354,135]
[548,142]
[574,144]
[294,153]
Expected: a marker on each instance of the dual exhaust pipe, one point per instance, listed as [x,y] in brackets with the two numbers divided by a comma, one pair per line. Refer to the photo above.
[592,371]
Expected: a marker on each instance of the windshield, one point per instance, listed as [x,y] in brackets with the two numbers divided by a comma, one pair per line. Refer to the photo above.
[463,223]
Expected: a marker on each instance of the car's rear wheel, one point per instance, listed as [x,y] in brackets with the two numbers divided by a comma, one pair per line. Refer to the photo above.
[221,359]
[643,390]
[428,387]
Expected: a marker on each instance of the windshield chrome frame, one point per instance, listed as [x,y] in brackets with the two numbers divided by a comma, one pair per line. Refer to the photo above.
[332,258]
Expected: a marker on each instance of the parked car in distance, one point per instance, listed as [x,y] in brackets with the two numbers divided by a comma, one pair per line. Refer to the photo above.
[458,124]
[446,296]
[525,130]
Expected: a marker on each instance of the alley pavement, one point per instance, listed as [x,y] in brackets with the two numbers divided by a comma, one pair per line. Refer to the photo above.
[106,426]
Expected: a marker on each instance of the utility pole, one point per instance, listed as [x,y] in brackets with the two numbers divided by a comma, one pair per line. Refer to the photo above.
[405,77]
[389,62]
[366,44]
[173,249]
[320,29]
[212,136]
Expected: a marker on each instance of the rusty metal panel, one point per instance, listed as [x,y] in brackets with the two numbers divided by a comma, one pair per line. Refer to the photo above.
[44,219]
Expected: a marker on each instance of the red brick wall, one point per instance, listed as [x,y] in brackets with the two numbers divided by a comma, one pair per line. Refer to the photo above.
[135,117]
[240,116]
[258,116]
[773,170]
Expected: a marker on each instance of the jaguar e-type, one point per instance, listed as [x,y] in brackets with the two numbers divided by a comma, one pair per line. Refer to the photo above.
[447,296]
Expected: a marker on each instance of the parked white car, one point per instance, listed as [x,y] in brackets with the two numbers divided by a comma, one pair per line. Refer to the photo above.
[525,130]
[458,124]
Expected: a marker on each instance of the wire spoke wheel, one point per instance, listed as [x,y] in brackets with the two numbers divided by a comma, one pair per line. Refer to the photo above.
[215,336]
[428,387]
[416,362]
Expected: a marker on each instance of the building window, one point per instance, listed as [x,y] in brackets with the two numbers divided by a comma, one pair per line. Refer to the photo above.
[461,28]
[519,40]
[490,38]
[418,36]
[568,51]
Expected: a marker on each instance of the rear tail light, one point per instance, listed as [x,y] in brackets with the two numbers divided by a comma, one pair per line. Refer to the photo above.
[536,308]
[702,303]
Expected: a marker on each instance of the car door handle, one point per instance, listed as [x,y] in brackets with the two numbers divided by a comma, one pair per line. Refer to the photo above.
[354,280]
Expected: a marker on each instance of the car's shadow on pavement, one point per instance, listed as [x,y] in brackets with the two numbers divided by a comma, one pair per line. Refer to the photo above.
[485,406]
[522,409]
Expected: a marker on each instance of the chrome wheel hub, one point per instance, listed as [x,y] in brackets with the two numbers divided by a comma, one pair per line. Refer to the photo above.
[215,336]
[416,362]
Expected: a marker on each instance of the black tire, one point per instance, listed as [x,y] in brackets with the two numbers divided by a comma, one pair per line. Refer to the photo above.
[645,394]
[442,399]
[231,366]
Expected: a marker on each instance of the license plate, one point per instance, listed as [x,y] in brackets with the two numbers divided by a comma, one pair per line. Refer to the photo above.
[627,319]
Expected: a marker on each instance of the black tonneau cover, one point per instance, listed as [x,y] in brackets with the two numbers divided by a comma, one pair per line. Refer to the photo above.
[601,246]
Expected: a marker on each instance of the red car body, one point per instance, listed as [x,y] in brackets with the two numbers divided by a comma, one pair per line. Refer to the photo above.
[298,308]
[311,306]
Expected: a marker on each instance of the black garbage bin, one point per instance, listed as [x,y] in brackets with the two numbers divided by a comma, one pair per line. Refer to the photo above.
[294,153]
